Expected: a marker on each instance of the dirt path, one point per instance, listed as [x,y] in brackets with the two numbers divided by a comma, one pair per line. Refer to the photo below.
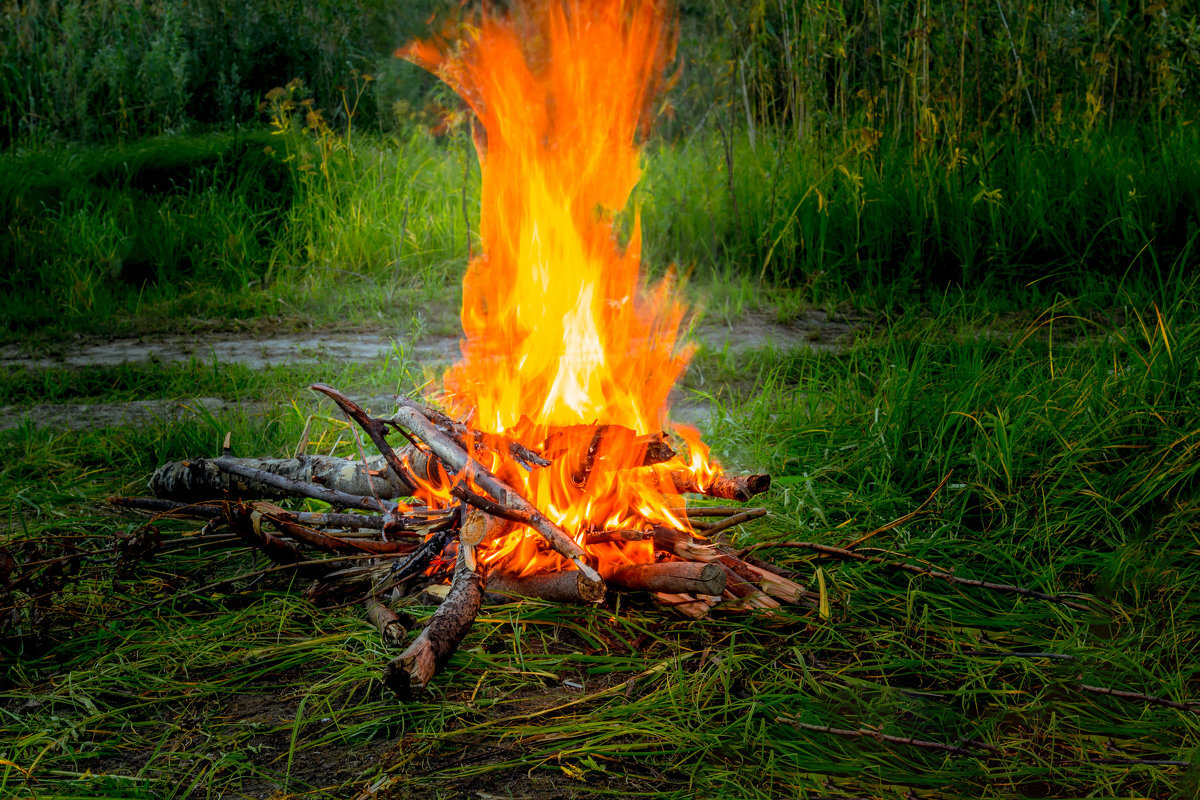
[813,329]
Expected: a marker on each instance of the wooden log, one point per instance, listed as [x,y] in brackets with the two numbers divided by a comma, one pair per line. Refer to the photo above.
[510,503]
[332,496]
[680,543]
[564,586]
[750,577]
[429,652]
[725,487]
[479,527]
[202,478]
[391,628]
[672,577]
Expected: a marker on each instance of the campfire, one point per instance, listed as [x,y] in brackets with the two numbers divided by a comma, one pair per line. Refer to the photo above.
[547,465]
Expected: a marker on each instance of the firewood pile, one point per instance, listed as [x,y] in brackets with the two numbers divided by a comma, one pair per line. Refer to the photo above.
[374,546]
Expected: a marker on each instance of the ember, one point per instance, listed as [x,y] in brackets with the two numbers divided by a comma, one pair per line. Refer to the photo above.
[551,473]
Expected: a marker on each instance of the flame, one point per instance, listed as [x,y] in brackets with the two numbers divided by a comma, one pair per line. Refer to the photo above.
[566,349]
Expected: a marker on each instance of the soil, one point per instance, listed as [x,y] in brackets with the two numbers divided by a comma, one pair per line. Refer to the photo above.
[815,329]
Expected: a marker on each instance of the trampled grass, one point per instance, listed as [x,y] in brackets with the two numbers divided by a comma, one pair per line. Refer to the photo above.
[1070,446]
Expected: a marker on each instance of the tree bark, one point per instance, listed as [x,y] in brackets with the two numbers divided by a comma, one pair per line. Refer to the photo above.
[672,577]
[566,586]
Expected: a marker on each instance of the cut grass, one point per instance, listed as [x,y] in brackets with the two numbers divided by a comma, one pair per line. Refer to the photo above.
[1074,470]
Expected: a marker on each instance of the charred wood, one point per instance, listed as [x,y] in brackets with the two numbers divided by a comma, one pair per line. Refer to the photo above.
[725,487]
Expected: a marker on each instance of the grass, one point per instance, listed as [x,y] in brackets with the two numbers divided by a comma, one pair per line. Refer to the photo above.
[1031,336]
[249,230]
[1072,446]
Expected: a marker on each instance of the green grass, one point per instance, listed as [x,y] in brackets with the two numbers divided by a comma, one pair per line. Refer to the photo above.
[1030,329]
[171,232]
[1072,445]
[250,230]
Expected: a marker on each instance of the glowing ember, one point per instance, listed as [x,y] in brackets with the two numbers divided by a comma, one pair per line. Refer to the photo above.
[566,349]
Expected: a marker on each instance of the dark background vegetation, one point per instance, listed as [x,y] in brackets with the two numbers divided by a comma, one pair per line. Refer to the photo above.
[875,147]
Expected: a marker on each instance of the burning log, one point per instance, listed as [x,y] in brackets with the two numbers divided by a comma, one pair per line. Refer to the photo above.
[511,505]
[429,652]
[672,577]
[479,442]
[564,586]
[725,487]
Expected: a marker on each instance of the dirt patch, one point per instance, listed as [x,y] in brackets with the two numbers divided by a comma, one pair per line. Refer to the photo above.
[813,329]
[256,352]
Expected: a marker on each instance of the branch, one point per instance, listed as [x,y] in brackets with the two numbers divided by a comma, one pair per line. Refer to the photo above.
[429,652]
[916,569]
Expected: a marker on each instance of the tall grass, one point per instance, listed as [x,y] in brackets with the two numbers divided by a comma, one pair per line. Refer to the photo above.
[116,70]
[234,225]
[916,68]
[884,221]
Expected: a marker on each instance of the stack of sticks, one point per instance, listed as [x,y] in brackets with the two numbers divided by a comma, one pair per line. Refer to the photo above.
[384,548]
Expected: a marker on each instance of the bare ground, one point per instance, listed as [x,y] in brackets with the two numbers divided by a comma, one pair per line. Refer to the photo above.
[815,329]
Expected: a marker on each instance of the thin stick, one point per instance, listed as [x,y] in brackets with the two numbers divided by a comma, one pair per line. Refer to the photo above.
[884,738]
[374,428]
[1144,698]
[916,569]
[714,511]
[736,519]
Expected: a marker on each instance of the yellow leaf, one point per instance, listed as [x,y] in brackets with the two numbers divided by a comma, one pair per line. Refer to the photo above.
[823,608]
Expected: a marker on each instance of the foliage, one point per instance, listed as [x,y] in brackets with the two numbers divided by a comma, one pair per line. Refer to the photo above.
[111,69]
[819,69]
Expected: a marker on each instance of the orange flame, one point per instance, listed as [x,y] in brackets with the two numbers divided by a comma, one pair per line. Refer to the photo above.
[562,335]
